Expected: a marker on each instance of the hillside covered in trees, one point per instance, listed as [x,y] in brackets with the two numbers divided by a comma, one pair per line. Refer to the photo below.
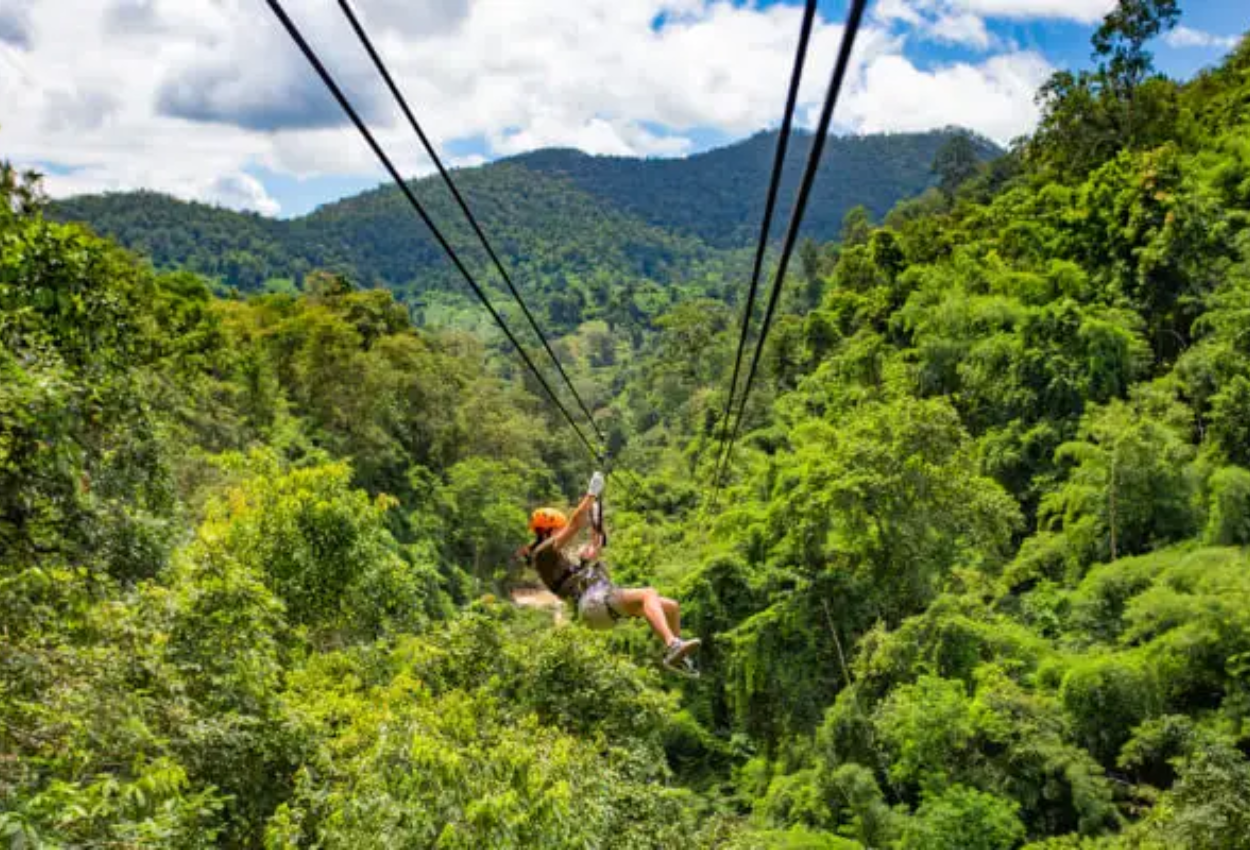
[979,577]
[707,195]
[557,216]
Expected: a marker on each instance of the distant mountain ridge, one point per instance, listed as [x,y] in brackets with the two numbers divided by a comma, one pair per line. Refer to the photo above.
[719,195]
[553,214]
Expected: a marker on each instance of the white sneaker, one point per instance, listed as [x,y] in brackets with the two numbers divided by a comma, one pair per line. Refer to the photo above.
[677,656]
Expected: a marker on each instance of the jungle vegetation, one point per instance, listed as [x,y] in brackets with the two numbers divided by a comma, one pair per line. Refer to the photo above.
[979,576]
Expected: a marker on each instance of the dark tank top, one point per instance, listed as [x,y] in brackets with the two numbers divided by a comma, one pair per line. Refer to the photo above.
[552,566]
[556,570]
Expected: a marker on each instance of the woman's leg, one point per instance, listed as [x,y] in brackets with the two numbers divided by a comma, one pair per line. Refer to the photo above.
[645,602]
[672,614]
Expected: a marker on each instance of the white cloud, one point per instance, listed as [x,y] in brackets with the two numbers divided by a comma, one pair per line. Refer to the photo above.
[963,22]
[1085,11]
[935,20]
[123,17]
[904,11]
[188,96]
[235,189]
[416,20]
[596,136]
[1183,36]
[962,28]
[78,110]
[994,98]
[256,78]
[240,192]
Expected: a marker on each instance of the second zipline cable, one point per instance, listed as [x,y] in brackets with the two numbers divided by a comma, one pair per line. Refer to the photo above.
[367,43]
[770,204]
[853,19]
[343,102]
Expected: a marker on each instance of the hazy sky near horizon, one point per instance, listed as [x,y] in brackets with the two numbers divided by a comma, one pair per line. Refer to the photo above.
[208,100]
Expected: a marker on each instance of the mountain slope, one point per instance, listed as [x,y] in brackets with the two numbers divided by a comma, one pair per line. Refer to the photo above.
[554,214]
[242,249]
[719,195]
[544,224]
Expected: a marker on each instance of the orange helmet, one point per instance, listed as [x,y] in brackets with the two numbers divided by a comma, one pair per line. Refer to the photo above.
[547,520]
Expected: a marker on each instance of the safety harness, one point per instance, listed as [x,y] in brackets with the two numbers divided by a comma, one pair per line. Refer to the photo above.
[585,568]
[588,573]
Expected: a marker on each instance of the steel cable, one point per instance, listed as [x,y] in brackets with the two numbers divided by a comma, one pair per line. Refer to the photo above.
[367,43]
[343,102]
[853,20]
[774,185]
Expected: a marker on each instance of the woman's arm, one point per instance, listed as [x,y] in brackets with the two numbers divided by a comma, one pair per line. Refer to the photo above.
[577,522]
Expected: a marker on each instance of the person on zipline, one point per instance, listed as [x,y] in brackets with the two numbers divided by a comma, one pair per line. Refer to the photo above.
[584,580]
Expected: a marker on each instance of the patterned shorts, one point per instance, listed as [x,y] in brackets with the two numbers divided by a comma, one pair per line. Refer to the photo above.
[598,607]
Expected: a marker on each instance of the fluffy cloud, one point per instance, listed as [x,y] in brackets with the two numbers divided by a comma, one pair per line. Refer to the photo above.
[597,136]
[78,110]
[994,98]
[221,93]
[191,96]
[15,23]
[415,20]
[127,17]
[240,192]
[236,190]
[962,28]
[1085,11]
[905,11]
[963,22]
[936,20]
[1185,37]
[257,79]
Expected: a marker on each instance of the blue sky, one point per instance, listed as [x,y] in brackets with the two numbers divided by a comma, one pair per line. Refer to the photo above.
[206,99]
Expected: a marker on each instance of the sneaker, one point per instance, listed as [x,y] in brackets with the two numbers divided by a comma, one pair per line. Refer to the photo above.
[678,652]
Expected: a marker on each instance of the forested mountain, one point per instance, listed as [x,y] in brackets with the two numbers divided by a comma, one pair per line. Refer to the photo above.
[545,226]
[979,576]
[711,195]
[553,214]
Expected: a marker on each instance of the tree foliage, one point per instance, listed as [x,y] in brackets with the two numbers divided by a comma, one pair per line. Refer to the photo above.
[977,575]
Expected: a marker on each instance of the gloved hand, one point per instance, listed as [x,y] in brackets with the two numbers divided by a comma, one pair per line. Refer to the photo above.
[596,485]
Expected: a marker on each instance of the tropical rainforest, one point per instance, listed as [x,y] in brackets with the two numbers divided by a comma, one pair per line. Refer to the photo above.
[977,578]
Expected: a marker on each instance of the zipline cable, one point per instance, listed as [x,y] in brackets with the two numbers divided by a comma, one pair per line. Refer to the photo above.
[343,102]
[464,207]
[774,185]
[853,19]
[600,455]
